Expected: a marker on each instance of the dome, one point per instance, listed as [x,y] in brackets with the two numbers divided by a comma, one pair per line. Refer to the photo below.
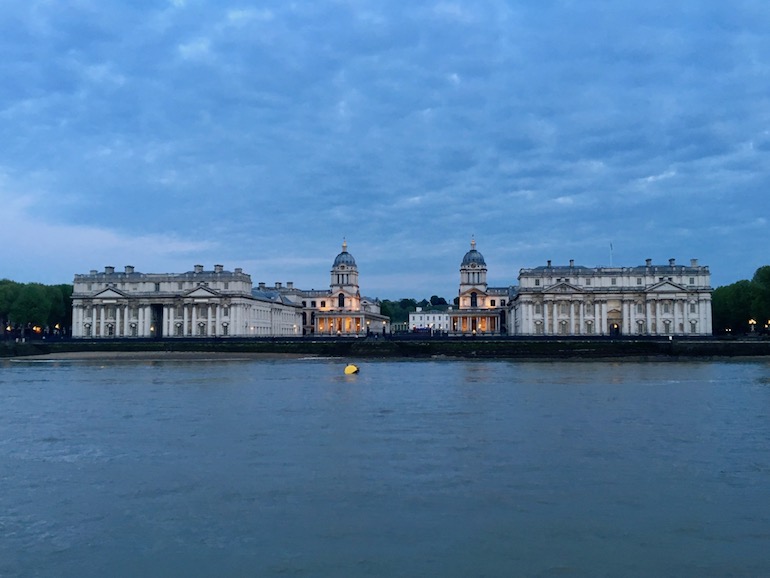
[473,256]
[344,258]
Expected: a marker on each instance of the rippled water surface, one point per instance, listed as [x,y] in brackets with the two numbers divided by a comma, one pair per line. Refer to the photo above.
[426,468]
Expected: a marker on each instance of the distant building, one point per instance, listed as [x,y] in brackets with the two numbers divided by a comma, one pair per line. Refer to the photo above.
[481,310]
[340,310]
[646,300]
[429,321]
[198,303]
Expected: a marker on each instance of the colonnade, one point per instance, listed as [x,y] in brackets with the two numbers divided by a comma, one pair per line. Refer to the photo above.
[659,315]
[137,320]
[474,323]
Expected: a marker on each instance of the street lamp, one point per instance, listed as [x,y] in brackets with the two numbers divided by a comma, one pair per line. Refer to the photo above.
[752,323]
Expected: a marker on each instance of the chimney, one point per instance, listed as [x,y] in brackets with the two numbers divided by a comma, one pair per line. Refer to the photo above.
[129,269]
[218,268]
[277,284]
[549,262]
[648,262]
[238,270]
[109,270]
[94,271]
[571,262]
[198,268]
[290,284]
[261,286]
[671,262]
[693,262]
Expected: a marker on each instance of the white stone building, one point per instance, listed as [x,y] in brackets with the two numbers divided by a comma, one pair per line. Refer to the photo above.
[340,310]
[429,321]
[482,310]
[646,300]
[198,303]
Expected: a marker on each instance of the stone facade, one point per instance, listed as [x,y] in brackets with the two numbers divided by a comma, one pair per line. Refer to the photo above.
[481,310]
[651,299]
[198,303]
[341,310]
[429,321]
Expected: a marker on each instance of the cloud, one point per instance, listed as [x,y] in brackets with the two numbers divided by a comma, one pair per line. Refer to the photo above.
[545,128]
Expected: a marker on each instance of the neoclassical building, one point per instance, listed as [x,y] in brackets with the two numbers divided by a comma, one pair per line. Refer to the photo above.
[481,310]
[651,299]
[340,310]
[198,303]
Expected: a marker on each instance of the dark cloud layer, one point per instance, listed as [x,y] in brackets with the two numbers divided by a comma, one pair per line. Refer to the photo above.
[198,131]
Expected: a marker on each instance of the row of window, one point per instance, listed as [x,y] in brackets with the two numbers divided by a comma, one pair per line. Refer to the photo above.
[665,307]
[614,281]
[641,329]
[180,286]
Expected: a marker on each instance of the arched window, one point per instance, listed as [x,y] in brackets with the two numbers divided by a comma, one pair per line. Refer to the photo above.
[341,301]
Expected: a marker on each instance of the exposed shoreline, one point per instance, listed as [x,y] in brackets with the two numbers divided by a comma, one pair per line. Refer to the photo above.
[157,355]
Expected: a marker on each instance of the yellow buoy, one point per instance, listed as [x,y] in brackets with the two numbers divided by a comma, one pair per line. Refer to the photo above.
[350,369]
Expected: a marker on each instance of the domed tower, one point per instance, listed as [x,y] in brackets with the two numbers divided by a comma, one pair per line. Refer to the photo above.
[473,271]
[344,280]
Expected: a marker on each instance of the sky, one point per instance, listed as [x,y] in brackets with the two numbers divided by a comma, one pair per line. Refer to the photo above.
[165,134]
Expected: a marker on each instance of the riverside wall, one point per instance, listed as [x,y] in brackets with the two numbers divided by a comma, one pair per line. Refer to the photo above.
[501,348]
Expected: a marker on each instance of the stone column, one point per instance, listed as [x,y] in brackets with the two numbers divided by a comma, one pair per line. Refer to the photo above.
[571,318]
[604,327]
[101,321]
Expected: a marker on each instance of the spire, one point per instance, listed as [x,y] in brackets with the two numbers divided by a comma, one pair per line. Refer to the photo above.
[344,244]
[473,242]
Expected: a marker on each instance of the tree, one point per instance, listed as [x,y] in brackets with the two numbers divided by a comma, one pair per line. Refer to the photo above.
[760,304]
[31,307]
[436,300]
[9,291]
[731,307]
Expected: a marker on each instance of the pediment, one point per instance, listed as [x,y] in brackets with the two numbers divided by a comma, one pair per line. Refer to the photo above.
[479,292]
[563,288]
[666,287]
[201,292]
[110,293]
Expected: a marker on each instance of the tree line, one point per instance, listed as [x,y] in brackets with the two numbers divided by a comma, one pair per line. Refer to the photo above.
[744,306]
[399,311]
[34,308]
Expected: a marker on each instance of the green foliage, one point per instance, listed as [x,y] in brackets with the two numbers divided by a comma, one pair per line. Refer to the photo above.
[435,300]
[733,305]
[760,304]
[399,311]
[32,305]
[9,291]
[35,304]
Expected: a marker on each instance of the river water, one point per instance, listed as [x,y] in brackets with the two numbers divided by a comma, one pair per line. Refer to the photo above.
[410,468]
